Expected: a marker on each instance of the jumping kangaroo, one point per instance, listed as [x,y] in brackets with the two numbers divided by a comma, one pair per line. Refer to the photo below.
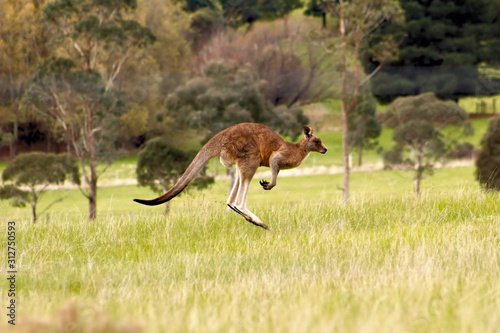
[248,146]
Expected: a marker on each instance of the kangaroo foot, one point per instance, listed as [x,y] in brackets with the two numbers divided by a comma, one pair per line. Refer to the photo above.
[254,220]
[265,184]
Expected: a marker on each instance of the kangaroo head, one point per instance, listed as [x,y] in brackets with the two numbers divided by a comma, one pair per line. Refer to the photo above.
[313,143]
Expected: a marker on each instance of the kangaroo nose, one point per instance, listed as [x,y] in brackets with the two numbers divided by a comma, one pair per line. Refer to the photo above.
[324,152]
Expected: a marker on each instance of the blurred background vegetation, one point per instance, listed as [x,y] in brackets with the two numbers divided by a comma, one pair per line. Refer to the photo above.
[99,79]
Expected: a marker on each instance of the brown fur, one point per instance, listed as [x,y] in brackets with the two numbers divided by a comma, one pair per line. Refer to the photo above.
[247,146]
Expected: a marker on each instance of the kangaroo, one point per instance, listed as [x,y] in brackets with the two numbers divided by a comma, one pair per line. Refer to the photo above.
[248,146]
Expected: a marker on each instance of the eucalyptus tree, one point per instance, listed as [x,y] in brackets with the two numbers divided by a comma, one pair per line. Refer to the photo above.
[28,176]
[226,94]
[357,20]
[21,47]
[94,39]
[421,135]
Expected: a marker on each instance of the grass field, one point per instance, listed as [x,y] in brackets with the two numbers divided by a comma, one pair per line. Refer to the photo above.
[385,262]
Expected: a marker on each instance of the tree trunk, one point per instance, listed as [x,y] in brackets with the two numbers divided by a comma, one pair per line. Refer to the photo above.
[167,208]
[418,176]
[324,19]
[360,154]
[345,153]
[345,133]
[93,199]
[417,186]
[93,179]
[33,211]
[165,189]
[15,135]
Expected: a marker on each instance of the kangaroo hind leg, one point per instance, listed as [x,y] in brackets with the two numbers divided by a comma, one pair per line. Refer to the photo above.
[231,201]
[245,175]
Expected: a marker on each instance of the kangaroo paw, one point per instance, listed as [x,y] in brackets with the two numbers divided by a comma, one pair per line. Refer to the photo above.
[266,185]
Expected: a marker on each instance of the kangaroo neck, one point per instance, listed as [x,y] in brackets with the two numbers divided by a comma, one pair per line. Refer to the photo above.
[299,150]
[302,148]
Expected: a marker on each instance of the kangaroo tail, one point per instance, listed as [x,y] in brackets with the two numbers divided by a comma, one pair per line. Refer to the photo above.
[208,151]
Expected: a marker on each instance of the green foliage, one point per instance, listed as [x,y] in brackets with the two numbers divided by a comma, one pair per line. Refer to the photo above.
[464,150]
[77,90]
[52,92]
[364,128]
[315,7]
[151,73]
[18,196]
[441,43]
[98,21]
[212,16]
[204,23]
[35,168]
[228,94]
[160,165]
[237,13]
[296,68]
[194,5]
[488,160]
[420,140]
[36,171]
[5,138]
[22,44]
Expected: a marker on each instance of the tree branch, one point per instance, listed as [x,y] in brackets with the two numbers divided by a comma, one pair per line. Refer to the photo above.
[115,71]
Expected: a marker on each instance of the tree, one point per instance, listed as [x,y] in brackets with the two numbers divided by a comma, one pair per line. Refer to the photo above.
[77,90]
[363,126]
[488,160]
[211,16]
[36,171]
[441,44]
[239,12]
[20,49]
[294,66]
[227,94]
[357,19]
[317,8]
[158,69]
[419,135]
[160,165]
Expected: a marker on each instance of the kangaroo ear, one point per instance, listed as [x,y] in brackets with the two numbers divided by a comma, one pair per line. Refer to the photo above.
[308,131]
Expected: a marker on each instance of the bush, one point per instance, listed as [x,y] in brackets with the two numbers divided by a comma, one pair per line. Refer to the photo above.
[463,150]
[488,160]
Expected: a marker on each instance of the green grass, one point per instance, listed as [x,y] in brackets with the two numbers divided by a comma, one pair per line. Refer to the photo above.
[385,262]
[480,127]
[469,104]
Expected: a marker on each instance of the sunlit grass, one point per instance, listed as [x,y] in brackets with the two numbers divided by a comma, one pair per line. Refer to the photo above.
[385,262]
[469,104]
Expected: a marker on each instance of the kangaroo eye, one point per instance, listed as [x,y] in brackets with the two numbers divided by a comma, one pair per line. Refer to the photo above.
[316,141]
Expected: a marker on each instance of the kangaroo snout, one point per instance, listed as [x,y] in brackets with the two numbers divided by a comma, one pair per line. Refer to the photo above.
[323,151]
